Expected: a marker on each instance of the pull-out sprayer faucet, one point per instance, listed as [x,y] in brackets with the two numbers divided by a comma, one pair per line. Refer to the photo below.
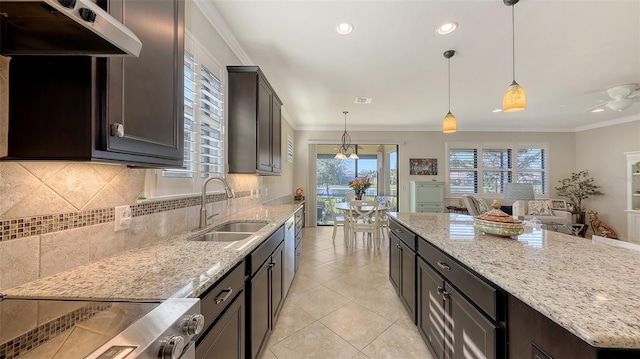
[203,208]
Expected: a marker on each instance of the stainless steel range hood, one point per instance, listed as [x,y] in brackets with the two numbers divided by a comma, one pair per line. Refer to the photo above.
[63,27]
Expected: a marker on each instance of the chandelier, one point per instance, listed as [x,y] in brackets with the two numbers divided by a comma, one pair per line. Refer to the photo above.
[346,144]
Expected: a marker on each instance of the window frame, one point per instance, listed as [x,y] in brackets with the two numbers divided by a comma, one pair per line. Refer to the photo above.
[480,169]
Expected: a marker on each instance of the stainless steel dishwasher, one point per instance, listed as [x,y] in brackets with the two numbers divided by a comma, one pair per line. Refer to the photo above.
[289,252]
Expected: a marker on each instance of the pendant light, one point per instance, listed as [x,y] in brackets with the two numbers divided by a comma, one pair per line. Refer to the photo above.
[449,123]
[346,144]
[514,98]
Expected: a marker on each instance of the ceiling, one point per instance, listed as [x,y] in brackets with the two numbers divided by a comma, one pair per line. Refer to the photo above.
[568,52]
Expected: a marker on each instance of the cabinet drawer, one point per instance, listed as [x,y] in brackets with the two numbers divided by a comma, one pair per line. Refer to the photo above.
[217,298]
[260,254]
[298,226]
[298,217]
[485,296]
[404,234]
[298,239]
[429,205]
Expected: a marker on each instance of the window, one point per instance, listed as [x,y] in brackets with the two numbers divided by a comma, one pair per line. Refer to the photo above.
[203,127]
[485,168]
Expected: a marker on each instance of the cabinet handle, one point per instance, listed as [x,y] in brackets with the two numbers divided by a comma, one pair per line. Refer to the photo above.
[445,295]
[117,129]
[440,290]
[399,231]
[220,299]
[399,246]
[443,265]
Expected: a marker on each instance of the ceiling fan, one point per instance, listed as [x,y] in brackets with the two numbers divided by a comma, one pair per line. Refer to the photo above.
[622,97]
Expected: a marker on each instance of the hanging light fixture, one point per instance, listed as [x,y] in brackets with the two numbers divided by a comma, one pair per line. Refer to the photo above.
[346,144]
[514,98]
[449,123]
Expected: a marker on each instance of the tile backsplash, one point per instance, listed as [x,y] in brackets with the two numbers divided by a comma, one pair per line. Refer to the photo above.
[55,216]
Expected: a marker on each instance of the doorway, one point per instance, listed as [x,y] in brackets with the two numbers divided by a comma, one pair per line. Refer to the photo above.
[377,162]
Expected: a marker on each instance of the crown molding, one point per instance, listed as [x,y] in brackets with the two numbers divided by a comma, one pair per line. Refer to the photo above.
[212,14]
[616,121]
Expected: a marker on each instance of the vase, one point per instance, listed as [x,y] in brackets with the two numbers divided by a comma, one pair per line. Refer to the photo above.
[359,196]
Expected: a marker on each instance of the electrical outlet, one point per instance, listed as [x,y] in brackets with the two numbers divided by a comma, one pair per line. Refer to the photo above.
[123,218]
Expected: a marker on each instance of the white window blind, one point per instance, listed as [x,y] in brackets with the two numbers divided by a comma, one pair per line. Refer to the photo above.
[204,116]
[485,168]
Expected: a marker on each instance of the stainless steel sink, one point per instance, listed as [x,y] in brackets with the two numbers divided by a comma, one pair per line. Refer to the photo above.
[222,236]
[240,227]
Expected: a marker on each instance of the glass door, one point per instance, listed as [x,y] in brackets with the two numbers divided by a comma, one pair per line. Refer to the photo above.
[378,163]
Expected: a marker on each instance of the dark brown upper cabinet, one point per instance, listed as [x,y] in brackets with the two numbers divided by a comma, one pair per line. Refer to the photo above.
[254,123]
[119,109]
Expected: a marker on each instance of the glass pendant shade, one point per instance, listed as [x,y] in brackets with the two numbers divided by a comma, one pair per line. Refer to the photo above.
[514,99]
[449,123]
[353,156]
[340,156]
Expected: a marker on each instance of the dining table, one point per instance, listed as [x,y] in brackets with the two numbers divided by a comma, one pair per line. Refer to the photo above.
[344,207]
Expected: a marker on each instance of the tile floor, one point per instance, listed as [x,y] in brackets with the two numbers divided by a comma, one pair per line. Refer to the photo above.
[342,305]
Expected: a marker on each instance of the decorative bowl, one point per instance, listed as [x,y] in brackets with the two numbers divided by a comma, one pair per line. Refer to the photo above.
[498,228]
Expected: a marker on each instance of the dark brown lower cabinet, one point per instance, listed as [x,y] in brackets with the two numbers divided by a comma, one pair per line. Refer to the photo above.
[402,272]
[450,324]
[226,338]
[533,335]
[266,297]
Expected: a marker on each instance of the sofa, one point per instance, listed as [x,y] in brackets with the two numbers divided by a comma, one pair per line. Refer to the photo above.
[521,210]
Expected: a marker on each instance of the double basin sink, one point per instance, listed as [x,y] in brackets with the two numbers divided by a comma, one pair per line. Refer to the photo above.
[231,231]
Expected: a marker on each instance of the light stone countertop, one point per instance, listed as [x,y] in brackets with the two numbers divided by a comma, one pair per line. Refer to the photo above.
[592,290]
[171,267]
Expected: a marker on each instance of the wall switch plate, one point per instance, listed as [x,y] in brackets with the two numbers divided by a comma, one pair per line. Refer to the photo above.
[123,218]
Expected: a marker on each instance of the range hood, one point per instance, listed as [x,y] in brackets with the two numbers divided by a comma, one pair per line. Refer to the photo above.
[63,27]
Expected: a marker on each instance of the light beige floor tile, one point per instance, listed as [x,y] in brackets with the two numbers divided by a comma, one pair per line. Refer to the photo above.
[301,284]
[320,301]
[360,356]
[320,273]
[267,354]
[292,318]
[314,341]
[356,324]
[398,342]
[382,300]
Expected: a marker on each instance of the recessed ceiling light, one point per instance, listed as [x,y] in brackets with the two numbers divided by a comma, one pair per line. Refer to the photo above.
[447,28]
[497,110]
[598,110]
[344,28]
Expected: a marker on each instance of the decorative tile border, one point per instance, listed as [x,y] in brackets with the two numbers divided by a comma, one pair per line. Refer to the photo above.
[35,337]
[15,228]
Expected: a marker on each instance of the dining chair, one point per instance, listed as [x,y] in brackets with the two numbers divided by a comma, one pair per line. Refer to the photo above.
[350,197]
[384,218]
[338,218]
[363,220]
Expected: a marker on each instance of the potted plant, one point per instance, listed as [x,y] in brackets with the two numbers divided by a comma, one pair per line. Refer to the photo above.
[577,187]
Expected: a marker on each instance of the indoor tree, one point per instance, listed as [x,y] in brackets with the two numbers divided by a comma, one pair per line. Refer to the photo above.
[577,187]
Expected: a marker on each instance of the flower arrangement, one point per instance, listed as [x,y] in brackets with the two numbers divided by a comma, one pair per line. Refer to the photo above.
[577,187]
[360,185]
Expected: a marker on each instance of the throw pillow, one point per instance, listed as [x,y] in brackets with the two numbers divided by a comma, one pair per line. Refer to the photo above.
[539,208]
[483,207]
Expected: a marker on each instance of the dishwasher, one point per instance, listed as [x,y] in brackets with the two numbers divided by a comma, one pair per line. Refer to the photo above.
[289,253]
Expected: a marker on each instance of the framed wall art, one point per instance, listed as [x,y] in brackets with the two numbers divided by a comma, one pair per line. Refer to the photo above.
[559,204]
[423,166]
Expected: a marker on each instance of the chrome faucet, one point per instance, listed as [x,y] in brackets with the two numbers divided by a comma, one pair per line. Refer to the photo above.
[203,208]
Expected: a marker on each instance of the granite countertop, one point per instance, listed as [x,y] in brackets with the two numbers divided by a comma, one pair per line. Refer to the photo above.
[589,289]
[172,267]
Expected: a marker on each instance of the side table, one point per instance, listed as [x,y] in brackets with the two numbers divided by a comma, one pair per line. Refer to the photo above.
[580,219]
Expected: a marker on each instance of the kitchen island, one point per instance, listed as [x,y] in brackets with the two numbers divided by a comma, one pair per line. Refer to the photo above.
[588,290]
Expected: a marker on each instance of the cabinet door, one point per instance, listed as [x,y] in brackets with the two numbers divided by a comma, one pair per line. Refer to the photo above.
[260,309]
[145,94]
[394,261]
[264,127]
[431,314]
[408,279]
[277,283]
[429,193]
[276,135]
[226,337]
[474,336]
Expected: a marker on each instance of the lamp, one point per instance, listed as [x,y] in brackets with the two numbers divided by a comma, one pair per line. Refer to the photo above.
[518,191]
[449,123]
[346,144]
[514,98]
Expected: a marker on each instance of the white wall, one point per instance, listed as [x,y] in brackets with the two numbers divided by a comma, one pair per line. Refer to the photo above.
[432,145]
[601,151]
